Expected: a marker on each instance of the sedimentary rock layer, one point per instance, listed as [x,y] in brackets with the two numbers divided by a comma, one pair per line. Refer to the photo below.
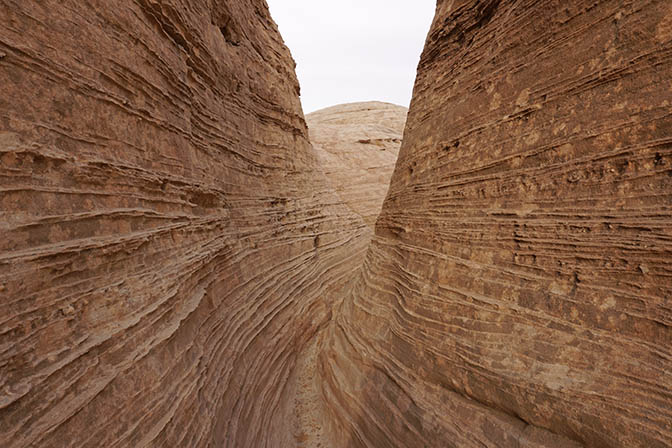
[357,146]
[176,269]
[167,239]
[518,290]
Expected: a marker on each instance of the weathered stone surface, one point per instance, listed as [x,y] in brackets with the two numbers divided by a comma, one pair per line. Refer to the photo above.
[518,290]
[357,146]
[167,239]
[176,269]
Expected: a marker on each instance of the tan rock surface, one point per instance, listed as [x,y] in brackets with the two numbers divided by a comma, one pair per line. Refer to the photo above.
[357,145]
[167,239]
[518,291]
[177,270]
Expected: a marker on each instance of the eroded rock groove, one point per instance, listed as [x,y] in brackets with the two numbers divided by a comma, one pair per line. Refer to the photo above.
[180,267]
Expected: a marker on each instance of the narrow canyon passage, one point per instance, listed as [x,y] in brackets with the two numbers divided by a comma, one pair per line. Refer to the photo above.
[188,261]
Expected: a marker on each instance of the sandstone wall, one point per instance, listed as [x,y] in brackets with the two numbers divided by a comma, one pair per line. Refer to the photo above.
[357,145]
[176,269]
[518,290]
[167,239]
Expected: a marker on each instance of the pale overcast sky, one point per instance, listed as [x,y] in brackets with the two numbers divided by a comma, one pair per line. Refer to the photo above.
[354,50]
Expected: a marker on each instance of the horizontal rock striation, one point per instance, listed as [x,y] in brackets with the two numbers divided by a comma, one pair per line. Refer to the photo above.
[357,145]
[518,290]
[167,238]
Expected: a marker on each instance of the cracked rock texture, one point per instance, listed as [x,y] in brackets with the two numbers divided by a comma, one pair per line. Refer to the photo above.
[167,238]
[357,145]
[518,289]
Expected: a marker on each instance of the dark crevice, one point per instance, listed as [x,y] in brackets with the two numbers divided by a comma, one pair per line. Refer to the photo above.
[487,13]
[229,36]
[229,28]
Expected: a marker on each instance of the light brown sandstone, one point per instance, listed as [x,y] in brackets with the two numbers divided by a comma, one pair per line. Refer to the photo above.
[518,290]
[357,145]
[167,238]
[176,268]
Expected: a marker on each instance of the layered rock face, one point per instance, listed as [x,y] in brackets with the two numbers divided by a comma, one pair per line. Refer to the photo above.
[518,290]
[177,270]
[357,146]
[168,241]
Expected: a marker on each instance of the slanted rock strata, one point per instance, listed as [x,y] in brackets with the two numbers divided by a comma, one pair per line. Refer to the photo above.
[357,145]
[176,268]
[518,288]
[166,234]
